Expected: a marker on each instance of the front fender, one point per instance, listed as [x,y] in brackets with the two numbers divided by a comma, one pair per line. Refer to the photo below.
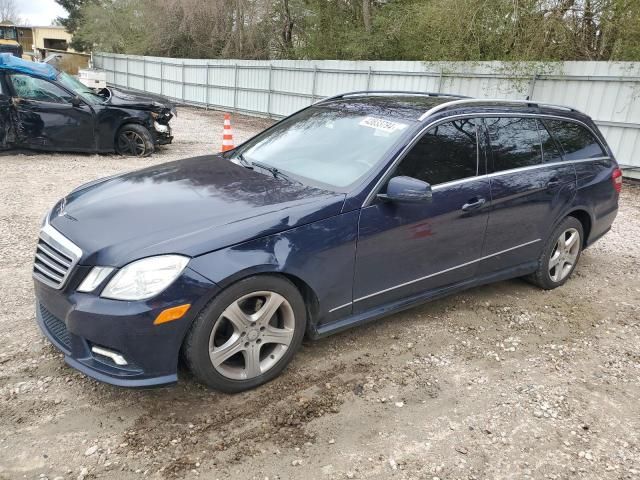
[321,254]
[110,119]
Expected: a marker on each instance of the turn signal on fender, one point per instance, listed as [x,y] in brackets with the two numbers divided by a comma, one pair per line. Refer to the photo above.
[171,314]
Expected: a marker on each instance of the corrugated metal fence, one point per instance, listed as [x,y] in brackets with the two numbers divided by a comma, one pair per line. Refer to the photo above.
[608,91]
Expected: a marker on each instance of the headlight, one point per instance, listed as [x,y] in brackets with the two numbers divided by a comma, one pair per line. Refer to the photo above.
[145,278]
[95,278]
[160,128]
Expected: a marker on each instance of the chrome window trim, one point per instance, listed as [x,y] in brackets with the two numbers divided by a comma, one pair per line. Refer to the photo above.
[516,170]
[418,136]
[435,274]
[53,237]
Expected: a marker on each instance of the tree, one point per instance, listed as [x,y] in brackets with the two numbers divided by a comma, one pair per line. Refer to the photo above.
[9,12]
[74,20]
[432,30]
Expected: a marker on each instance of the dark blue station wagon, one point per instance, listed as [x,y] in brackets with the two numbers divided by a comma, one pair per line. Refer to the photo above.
[359,206]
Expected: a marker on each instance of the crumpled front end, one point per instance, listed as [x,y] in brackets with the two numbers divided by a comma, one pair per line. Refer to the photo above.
[161,129]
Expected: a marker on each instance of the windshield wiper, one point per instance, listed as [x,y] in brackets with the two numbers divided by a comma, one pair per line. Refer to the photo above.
[274,171]
[243,161]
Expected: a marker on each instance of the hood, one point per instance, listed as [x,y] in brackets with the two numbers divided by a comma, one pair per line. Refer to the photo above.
[189,207]
[121,97]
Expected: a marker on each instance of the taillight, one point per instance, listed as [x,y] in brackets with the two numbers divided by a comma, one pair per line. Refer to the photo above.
[616,178]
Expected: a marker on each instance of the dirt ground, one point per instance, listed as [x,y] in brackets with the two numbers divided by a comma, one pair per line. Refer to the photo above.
[501,382]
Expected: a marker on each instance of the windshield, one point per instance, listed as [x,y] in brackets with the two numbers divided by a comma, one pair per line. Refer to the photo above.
[8,33]
[73,84]
[329,146]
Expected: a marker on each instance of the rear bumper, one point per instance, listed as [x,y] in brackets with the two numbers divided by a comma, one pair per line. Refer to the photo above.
[602,225]
[76,322]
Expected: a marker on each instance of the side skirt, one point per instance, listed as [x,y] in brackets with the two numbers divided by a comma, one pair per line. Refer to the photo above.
[321,331]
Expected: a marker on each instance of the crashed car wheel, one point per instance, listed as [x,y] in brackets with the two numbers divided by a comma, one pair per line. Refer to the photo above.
[134,140]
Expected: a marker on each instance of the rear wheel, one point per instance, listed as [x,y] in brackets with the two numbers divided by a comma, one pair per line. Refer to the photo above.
[560,255]
[134,140]
[247,335]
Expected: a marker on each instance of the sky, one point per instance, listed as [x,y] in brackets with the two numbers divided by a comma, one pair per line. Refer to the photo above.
[39,12]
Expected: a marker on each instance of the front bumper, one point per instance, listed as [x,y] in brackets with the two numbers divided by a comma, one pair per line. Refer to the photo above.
[75,322]
[162,137]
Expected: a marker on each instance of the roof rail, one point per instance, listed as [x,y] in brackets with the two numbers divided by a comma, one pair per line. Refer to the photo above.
[476,101]
[390,92]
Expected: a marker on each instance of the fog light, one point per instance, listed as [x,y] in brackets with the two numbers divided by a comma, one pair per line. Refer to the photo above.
[116,357]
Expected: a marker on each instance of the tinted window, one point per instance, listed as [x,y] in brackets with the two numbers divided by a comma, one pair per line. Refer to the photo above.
[445,153]
[32,88]
[578,143]
[515,142]
[550,149]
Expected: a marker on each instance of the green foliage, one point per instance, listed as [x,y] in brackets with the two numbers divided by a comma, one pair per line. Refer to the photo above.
[73,21]
[430,30]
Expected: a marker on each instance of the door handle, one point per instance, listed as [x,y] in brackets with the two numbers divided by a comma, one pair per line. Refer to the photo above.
[554,182]
[474,205]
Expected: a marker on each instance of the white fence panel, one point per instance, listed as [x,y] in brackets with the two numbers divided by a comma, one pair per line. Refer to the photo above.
[608,91]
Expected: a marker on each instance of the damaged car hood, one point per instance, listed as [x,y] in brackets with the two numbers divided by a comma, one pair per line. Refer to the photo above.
[189,207]
[120,97]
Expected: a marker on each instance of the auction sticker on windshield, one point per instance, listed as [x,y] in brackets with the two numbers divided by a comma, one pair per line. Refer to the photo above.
[382,124]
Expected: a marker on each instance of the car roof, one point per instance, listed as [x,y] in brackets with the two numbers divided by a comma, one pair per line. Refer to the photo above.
[14,64]
[406,106]
[420,106]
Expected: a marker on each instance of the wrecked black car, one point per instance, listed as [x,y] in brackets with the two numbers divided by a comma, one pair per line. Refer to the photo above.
[45,109]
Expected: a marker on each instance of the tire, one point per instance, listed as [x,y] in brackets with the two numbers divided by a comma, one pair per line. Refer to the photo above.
[134,140]
[249,349]
[549,277]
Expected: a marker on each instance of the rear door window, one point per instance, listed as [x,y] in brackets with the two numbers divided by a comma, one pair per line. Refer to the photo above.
[447,152]
[550,149]
[515,142]
[577,142]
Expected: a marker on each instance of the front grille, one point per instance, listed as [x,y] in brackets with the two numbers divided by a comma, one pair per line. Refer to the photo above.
[56,327]
[55,257]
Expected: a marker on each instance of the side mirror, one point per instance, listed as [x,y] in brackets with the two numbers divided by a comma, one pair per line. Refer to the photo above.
[407,189]
[76,101]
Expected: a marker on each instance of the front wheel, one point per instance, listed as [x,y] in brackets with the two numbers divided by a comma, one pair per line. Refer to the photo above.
[560,255]
[134,140]
[247,335]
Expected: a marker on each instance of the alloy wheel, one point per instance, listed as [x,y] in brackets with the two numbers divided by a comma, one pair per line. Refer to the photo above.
[131,143]
[564,255]
[251,335]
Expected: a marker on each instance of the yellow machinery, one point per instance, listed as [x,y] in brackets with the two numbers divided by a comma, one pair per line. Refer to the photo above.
[9,40]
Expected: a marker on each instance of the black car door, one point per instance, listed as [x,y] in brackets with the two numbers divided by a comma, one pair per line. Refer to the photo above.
[47,117]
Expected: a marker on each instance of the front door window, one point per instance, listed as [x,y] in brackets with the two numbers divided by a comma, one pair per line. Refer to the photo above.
[447,152]
[38,89]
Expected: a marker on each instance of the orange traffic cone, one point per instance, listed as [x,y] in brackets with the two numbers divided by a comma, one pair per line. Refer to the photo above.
[227,135]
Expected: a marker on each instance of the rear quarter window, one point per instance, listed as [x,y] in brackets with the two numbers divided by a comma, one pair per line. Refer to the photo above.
[577,142]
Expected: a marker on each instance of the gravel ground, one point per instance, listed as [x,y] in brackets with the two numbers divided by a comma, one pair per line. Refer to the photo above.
[503,381]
